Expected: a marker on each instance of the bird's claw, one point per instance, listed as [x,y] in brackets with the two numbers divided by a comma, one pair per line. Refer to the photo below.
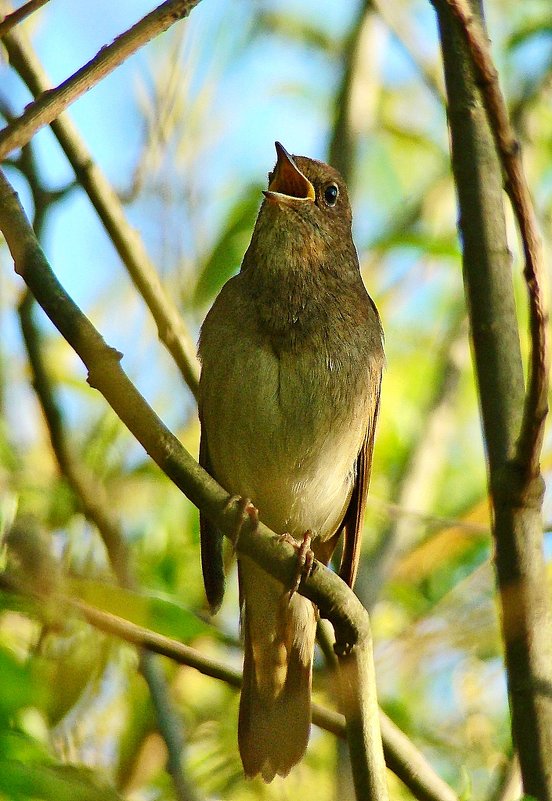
[305,559]
[247,511]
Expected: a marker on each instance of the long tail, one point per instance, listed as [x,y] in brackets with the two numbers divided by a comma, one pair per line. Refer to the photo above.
[275,705]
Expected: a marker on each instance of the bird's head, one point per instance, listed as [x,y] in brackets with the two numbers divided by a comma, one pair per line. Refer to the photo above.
[306,210]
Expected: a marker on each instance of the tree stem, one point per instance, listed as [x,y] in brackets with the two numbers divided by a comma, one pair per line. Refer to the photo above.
[512,438]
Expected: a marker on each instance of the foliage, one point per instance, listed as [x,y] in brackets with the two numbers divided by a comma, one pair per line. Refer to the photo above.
[74,711]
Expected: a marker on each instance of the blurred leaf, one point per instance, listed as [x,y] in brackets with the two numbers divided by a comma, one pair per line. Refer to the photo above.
[74,663]
[444,246]
[296,29]
[20,687]
[141,722]
[537,26]
[444,547]
[21,780]
[149,611]
[20,603]
[227,253]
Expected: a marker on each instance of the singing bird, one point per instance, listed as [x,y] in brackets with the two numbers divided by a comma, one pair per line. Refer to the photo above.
[292,358]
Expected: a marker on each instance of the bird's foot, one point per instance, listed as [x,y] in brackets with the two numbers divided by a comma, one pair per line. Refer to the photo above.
[247,512]
[305,559]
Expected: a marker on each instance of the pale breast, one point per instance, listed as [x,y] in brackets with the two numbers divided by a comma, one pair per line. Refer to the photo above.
[282,429]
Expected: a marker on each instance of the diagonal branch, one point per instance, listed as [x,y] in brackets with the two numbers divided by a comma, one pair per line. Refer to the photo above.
[13,19]
[53,102]
[536,399]
[129,245]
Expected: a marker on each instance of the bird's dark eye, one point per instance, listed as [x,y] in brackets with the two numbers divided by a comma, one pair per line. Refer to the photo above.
[330,194]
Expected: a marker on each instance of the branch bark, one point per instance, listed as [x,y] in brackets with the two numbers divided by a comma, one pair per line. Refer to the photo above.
[334,598]
[529,443]
[13,19]
[513,419]
[54,101]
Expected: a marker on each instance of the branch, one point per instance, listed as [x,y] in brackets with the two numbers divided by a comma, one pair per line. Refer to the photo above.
[332,596]
[130,247]
[509,413]
[54,101]
[402,757]
[13,19]
[536,400]
[91,495]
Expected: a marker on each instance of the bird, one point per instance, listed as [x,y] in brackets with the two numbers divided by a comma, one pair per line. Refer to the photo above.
[292,357]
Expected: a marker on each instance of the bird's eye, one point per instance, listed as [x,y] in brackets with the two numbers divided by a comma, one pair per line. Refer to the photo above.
[330,194]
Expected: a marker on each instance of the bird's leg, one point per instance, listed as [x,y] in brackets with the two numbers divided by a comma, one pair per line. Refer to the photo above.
[247,511]
[305,559]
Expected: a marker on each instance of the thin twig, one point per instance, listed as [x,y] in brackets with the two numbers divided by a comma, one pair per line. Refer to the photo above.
[434,522]
[13,19]
[91,495]
[53,102]
[128,243]
[536,399]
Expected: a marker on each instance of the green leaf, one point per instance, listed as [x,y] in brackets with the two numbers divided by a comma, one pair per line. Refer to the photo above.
[20,780]
[150,611]
[20,687]
[445,246]
[537,26]
[227,253]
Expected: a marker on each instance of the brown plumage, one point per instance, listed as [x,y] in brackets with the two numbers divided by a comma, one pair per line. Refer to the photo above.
[292,359]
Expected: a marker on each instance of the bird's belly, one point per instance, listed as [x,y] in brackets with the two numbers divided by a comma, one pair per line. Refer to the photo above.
[272,438]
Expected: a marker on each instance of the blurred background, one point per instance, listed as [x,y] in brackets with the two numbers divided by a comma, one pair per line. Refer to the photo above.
[184,131]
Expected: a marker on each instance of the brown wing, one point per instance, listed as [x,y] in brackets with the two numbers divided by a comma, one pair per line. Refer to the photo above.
[351,525]
[211,541]
[354,516]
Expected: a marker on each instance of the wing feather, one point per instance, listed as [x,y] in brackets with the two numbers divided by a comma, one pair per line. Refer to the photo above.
[211,541]
[354,516]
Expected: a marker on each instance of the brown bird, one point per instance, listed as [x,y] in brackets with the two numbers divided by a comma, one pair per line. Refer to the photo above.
[292,359]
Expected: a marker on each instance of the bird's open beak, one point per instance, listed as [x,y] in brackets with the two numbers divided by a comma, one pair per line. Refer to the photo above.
[288,184]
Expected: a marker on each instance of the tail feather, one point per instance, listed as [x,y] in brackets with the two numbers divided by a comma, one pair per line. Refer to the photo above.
[275,704]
